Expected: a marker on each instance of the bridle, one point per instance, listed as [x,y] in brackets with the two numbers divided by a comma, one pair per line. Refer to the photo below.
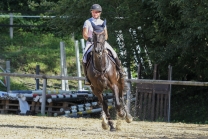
[99,50]
[99,43]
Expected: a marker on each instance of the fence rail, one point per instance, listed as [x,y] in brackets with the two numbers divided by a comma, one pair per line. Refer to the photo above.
[145,81]
[171,82]
[42,76]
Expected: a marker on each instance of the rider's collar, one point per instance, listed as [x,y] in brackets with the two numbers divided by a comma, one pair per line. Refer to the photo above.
[95,19]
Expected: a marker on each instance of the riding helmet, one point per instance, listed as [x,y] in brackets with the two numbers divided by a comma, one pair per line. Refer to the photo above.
[96,7]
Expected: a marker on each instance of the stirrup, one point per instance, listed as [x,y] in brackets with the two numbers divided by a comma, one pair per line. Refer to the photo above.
[86,81]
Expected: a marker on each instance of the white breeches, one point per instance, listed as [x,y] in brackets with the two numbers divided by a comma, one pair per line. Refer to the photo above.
[87,50]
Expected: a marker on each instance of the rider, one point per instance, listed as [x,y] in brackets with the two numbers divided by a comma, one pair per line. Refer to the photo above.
[96,10]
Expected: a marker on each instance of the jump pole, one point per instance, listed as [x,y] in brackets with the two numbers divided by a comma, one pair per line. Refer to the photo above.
[64,83]
[78,64]
[43,104]
[83,45]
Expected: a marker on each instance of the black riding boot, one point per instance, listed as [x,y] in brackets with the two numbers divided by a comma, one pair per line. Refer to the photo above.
[118,64]
[86,81]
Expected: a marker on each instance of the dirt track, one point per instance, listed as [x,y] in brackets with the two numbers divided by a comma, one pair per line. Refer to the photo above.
[30,127]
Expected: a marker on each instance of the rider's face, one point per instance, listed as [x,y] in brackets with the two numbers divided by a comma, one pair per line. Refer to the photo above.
[95,14]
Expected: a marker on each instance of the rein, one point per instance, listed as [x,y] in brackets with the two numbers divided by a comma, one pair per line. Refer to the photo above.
[97,72]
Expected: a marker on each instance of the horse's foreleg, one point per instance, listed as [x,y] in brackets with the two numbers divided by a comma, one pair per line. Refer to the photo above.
[106,115]
[104,121]
[110,122]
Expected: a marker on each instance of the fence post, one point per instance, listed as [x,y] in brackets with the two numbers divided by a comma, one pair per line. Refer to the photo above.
[11,23]
[153,92]
[78,64]
[43,97]
[169,96]
[37,79]
[8,77]
[136,97]
[128,93]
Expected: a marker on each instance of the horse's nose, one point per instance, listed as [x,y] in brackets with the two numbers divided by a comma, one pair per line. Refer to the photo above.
[99,50]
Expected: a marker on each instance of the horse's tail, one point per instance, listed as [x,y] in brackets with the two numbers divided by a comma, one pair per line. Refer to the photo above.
[124,86]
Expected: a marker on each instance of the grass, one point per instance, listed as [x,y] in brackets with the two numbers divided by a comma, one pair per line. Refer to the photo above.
[27,49]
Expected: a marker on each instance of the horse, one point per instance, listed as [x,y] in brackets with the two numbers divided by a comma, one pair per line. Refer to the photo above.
[103,75]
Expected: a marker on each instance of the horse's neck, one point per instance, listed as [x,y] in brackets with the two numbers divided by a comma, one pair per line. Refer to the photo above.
[100,63]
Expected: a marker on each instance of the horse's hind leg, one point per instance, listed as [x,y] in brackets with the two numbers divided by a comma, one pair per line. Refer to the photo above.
[119,108]
[120,112]
[128,117]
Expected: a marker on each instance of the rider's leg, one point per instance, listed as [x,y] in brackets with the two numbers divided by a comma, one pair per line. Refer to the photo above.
[84,63]
[118,62]
[85,72]
[88,45]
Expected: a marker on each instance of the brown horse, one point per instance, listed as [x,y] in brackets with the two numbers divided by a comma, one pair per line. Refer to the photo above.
[103,74]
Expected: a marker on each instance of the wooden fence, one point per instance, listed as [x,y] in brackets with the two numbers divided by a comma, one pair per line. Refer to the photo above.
[156,88]
[152,101]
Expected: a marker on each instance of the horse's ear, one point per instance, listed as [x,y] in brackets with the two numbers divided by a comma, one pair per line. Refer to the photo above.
[97,28]
[93,25]
[104,23]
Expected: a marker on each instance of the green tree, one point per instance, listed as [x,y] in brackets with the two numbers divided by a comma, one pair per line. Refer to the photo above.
[148,32]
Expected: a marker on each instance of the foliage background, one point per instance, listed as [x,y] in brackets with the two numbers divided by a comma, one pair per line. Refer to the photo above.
[164,32]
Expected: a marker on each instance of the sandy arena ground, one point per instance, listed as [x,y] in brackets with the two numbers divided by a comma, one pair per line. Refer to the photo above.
[37,127]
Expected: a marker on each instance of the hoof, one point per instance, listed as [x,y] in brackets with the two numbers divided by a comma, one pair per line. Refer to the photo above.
[112,129]
[129,118]
[122,115]
[105,126]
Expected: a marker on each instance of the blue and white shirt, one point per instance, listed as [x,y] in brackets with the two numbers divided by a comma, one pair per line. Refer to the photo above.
[87,24]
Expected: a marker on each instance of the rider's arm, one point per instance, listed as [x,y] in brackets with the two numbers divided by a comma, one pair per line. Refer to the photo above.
[85,33]
[106,34]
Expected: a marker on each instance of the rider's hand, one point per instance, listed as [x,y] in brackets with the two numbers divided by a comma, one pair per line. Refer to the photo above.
[89,39]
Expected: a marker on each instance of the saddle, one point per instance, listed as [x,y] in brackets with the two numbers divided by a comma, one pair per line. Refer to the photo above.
[89,57]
